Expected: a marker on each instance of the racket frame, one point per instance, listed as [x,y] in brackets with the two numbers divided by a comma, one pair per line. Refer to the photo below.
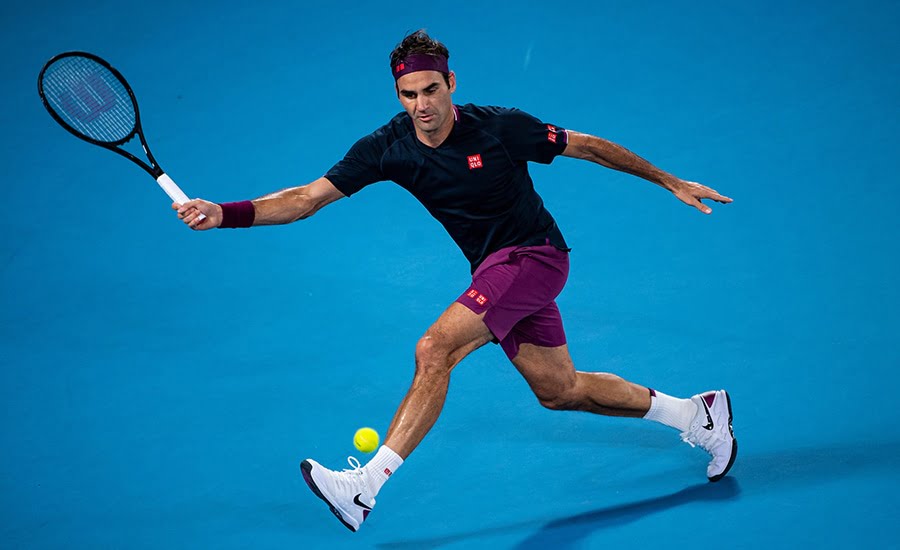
[153,168]
[170,187]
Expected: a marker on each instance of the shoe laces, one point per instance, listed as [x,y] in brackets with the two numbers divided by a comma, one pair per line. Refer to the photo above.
[357,467]
[708,440]
[357,478]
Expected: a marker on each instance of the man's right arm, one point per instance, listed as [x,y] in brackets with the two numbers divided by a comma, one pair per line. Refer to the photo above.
[281,207]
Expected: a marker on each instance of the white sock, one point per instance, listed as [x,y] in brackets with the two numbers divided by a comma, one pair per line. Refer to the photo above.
[671,411]
[381,467]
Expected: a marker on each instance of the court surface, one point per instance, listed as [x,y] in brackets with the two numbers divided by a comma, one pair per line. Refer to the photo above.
[160,387]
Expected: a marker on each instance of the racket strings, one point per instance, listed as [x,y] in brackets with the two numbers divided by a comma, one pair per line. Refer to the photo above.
[90,99]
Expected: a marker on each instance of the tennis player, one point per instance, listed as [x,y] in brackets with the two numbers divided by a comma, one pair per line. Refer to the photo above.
[468,165]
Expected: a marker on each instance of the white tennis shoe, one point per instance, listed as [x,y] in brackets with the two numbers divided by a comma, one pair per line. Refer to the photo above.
[711,430]
[346,492]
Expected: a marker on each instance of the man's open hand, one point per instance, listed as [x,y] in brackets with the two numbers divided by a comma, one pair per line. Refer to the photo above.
[691,193]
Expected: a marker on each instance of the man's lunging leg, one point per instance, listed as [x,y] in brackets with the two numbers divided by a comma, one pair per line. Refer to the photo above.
[456,334]
[351,494]
[704,419]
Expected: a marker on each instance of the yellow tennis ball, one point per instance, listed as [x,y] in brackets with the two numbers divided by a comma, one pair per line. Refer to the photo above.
[366,440]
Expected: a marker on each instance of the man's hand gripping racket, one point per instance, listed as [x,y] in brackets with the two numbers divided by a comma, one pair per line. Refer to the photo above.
[199,214]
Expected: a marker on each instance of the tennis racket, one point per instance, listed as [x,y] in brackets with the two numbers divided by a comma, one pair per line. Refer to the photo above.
[93,101]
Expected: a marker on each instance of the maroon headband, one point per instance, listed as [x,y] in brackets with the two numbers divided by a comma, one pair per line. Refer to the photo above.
[421,62]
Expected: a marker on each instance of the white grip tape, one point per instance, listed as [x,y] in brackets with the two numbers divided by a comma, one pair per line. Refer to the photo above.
[171,188]
[175,193]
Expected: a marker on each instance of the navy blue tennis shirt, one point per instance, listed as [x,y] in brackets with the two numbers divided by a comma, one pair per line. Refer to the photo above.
[476,183]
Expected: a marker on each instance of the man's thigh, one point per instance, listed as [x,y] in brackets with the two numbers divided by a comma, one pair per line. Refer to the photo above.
[458,332]
[549,371]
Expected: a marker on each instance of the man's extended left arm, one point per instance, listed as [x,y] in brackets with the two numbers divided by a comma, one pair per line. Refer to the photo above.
[611,155]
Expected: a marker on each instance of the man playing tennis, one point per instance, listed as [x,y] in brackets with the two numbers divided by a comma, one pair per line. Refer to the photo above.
[468,166]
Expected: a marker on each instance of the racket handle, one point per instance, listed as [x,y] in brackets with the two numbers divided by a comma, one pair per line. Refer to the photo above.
[175,193]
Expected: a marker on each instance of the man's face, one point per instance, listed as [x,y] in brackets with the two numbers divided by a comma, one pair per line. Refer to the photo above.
[426,98]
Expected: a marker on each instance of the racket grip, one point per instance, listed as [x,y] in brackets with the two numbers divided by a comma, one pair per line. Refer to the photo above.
[175,193]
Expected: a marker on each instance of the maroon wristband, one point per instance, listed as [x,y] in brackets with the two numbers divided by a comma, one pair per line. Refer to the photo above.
[237,214]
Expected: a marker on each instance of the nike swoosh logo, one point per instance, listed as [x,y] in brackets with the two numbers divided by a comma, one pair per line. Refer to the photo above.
[709,422]
[357,502]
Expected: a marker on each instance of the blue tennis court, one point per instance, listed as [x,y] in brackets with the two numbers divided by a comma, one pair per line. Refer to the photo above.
[160,387]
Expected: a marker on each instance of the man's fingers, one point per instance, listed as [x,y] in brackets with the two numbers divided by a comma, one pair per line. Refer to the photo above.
[691,199]
[714,195]
[189,215]
[182,209]
[710,193]
[200,224]
[722,198]
[197,220]
[194,218]
[195,204]
[692,193]
[702,207]
[195,213]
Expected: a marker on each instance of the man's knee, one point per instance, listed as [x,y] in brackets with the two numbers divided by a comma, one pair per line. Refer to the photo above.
[432,356]
[558,394]
[559,400]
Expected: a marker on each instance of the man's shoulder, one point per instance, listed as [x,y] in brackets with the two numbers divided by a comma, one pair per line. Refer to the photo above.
[398,128]
[495,120]
[485,113]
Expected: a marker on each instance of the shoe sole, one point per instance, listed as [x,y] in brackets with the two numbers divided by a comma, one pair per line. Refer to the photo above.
[734,444]
[306,469]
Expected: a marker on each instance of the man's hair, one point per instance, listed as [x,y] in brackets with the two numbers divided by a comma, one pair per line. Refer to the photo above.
[419,42]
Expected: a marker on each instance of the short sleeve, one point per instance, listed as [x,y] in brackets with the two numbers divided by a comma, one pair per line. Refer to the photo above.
[528,139]
[361,166]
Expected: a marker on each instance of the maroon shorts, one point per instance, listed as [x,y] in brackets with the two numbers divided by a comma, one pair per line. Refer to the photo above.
[517,287]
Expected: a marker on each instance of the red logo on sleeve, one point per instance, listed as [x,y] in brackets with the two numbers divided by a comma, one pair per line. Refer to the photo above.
[472,293]
[482,299]
[551,136]
[475,162]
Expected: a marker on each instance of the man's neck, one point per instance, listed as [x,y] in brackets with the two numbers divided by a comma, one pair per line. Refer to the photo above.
[436,138]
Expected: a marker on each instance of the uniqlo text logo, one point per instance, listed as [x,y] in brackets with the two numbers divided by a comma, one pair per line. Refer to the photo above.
[472,293]
[399,68]
[475,162]
[482,299]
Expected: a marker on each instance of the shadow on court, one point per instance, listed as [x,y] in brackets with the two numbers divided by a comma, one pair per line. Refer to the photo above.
[566,532]
[762,473]
[561,533]
[793,468]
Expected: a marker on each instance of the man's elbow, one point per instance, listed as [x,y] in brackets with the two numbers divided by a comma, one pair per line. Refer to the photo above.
[304,208]
[306,204]
[578,146]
